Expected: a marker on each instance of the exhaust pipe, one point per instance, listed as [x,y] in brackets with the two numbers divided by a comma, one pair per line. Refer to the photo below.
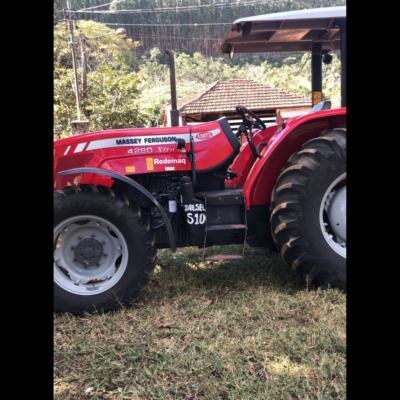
[174,110]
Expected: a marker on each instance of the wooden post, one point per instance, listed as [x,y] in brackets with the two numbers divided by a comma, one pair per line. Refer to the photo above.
[57,135]
[72,43]
[79,127]
[82,39]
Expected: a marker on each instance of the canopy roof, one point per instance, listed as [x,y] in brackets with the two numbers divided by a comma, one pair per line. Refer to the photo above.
[286,31]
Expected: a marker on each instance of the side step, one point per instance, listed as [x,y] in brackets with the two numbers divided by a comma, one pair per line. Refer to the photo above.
[224,257]
[221,199]
[225,227]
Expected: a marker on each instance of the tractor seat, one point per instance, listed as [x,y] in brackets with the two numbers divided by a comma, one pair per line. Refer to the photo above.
[323,105]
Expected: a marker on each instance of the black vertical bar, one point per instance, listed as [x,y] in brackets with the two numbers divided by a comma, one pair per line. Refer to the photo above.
[316,73]
[193,160]
[343,60]
[174,110]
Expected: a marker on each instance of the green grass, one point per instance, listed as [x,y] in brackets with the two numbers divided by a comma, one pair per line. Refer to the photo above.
[265,335]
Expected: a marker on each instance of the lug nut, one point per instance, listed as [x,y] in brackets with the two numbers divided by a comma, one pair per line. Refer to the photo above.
[105,254]
[98,223]
[65,229]
[103,242]
[72,247]
[119,248]
[93,235]
[79,237]
[85,264]
[98,264]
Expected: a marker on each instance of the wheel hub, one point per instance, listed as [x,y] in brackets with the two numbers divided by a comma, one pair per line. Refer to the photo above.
[337,214]
[332,216]
[88,252]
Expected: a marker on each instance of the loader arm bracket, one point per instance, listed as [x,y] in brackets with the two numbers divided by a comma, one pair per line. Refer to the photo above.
[136,186]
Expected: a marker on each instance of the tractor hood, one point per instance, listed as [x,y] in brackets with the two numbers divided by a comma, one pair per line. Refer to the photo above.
[112,133]
[145,150]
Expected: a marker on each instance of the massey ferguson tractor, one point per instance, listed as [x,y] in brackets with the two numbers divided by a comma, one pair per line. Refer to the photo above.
[120,195]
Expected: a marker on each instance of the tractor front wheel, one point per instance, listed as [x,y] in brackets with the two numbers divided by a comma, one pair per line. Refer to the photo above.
[103,249]
[308,210]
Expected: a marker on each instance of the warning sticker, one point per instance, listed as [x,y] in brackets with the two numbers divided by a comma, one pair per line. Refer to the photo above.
[317,98]
[150,165]
[130,169]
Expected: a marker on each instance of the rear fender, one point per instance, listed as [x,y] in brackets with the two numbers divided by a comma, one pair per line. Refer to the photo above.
[136,186]
[262,177]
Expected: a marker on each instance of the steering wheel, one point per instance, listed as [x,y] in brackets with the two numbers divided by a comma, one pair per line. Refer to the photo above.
[246,120]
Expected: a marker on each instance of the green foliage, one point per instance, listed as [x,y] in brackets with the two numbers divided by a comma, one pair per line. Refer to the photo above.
[110,103]
[112,60]
[153,70]
[112,88]
[112,50]
[64,99]
[149,28]
[154,97]
[193,73]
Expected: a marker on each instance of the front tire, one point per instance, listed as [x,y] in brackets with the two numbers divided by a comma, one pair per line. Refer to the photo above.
[308,210]
[104,249]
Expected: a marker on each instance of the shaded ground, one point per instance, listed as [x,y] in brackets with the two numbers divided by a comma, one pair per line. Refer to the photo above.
[246,329]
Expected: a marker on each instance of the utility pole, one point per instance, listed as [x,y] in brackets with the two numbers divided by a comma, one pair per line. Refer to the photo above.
[78,126]
[72,43]
[82,38]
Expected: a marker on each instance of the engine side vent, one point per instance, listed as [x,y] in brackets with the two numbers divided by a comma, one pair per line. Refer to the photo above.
[132,193]
[128,189]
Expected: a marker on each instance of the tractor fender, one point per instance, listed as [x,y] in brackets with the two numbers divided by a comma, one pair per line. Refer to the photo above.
[136,186]
[298,130]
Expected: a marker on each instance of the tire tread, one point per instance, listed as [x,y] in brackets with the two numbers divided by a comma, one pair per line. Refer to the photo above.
[286,208]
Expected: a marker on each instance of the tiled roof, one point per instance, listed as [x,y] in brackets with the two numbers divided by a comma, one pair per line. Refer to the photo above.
[224,95]
[190,97]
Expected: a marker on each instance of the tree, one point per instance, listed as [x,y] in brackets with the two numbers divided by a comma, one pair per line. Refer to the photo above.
[111,102]
[114,51]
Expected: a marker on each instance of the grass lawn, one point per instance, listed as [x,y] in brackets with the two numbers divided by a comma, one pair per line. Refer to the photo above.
[246,329]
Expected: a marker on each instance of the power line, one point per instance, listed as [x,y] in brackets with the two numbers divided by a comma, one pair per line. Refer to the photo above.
[103,5]
[171,37]
[195,24]
[183,8]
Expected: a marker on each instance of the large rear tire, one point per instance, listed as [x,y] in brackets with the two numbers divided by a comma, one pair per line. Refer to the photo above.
[103,249]
[308,210]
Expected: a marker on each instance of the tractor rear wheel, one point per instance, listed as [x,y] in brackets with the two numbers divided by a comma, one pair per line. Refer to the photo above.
[103,249]
[308,210]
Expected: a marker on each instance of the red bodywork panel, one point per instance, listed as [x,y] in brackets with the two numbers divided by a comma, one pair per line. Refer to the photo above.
[150,150]
[138,151]
[245,160]
[262,177]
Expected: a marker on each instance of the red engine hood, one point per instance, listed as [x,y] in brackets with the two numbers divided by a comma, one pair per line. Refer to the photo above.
[144,150]
[120,132]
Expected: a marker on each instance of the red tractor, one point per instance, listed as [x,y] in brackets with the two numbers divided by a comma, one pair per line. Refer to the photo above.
[122,194]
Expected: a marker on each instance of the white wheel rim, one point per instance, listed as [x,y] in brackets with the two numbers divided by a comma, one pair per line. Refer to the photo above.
[88,280]
[337,207]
